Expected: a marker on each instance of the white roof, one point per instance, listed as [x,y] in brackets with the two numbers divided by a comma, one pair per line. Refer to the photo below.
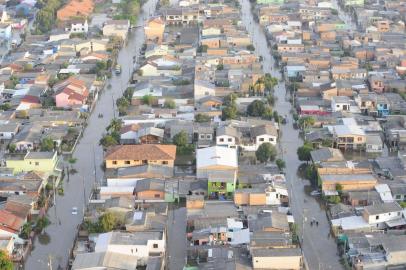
[216,155]
[384,193]
[350,223]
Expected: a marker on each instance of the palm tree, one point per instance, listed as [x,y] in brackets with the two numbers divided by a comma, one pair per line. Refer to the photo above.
[115,125]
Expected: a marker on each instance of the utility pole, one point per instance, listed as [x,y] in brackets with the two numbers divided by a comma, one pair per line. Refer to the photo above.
[94,164]
[114,106]
[84,194]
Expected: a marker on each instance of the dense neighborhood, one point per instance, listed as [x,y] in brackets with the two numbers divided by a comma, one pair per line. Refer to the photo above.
[191,134]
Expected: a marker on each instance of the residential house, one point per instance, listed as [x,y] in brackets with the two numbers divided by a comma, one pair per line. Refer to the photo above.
[219,166]
[75,8]
[150,135]
[349,178]
[154,30]
[128,134]
[70,93]
[261,134]
[348,135]
[383,215]
[32,161]
[277,258]
[134,155]
[228,136]
[8,131]
[340,104]
[77,26]
[326,155]
[116,28]
[150,189]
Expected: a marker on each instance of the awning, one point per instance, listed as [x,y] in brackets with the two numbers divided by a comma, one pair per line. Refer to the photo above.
[396,222]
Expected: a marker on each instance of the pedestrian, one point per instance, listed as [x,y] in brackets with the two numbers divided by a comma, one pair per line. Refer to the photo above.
[317,223]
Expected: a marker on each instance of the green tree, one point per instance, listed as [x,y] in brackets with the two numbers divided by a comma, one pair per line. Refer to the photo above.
[128,93]
[280,163]
[107,222]
[229,99]
[47,145]
[256,108]
[108,140]
[122,102]
[339,188]
[303,152]
[270,82]
[276,116]
[115,125]
[266,152]
[169,103]
[5,261]
[201,118]
[229,112]
[180,139]
[5,106]
[12,148]
[148,99]
[306,121]
[26,231]
[402,204]
[72,161]
[220,67]
[42,223]
[270,99]
[250,47]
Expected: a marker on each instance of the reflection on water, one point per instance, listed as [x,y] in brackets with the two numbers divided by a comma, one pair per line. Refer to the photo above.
[44,239]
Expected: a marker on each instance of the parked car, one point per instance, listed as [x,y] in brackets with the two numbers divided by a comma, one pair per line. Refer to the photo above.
[118,69]
[74,210]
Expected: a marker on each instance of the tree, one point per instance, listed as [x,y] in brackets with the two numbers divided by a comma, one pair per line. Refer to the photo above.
[229,99]
[5,106]
[108,140]
[115,125]
[5,262]
[250,47]
[148,99]
[26,231]
[339,188]
[266,152]
[306,121]
[276,116]
[270,99]
[256,108]
[280,163]
[229,112]
[169,103]
[42,223]
[12,148]
[180,139]
[72,161]
[200,118]
[47,144]
[107,222]
[303,152]
[220,67]
[269,82]
[128,93]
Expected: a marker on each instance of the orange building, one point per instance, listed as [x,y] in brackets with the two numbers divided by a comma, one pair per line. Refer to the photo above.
[75,8]
[154,30]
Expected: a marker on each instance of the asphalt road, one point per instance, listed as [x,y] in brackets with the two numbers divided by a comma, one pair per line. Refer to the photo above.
[319,250]
[59,237]
[176,240]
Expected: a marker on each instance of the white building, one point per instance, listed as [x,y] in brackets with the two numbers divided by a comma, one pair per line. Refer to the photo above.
[340,104]
[384,215]
[77,26]
[138,244]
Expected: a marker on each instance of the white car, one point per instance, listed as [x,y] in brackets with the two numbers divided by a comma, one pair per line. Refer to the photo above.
[74,210]
[315,193]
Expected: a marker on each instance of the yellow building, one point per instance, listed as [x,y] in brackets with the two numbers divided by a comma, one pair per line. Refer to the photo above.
[32,161]
[142,154]
[154,30]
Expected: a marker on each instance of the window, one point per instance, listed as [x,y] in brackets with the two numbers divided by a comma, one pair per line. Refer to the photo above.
[155,245]
[201,136]
[228,239]
[377,217]
[221,140]
[127,162]
[359,139]
[229,139]
[165,162]
[36,163]
[114,162]
[145,161]
[208,136]
[271,139]
[156,196]
[261,139]
[398,197]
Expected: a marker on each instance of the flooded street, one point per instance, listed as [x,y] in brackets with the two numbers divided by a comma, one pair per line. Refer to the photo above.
[60,234]
[319,250]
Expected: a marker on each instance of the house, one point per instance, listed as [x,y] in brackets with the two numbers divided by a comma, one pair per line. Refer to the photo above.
[134,155]
[70,93]
[75,8]
[77,26]
[348,135]
[32,161]
[261,134]
[277,258]
[340,104]
[150,189]
[10,224]
[104,260]
[228,136]
[373,143]
[349,178]
[7,245]
[116,28]
[8,131]
[204,135]
[154,30]
[140,245]
[150,135]
[219,166]
[326,155]
[128,134]
[384,215]
[271,195]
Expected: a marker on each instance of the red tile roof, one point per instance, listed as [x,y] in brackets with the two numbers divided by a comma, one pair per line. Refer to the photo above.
[141,152]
